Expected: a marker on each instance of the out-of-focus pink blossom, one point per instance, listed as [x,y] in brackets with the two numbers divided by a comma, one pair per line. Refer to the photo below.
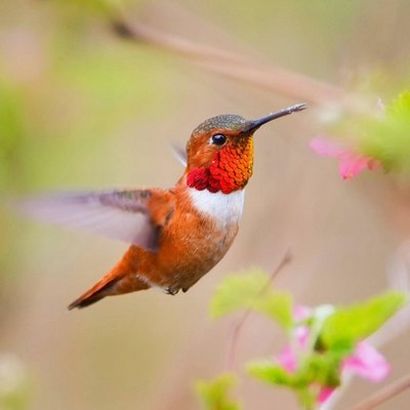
[327,148]
[301,312]
[301,332]
[351,163]
[367,362]
[287,359]
[324,394]
[302,335]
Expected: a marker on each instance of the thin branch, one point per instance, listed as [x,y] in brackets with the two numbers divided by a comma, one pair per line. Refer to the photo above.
[384,395]
[286,259]
[143,33]
[279,80]
[233,65]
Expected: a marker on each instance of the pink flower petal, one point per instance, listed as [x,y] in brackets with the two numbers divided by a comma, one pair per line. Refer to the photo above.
[287,359]
[302,336]
[301,312]
[324,394]
[351,165]
[350,162]
[326,148]
[367,362]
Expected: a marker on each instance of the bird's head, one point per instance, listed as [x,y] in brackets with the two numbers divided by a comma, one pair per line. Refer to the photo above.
[220,151]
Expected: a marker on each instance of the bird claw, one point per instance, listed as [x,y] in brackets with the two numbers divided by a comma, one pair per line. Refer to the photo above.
[171,291]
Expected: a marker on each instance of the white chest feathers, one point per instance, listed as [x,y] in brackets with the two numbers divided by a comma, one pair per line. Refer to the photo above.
[226,209]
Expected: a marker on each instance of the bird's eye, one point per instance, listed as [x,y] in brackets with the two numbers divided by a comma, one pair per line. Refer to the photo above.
[218,139]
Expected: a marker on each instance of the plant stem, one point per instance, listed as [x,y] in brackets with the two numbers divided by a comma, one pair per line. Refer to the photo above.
[383,395]
[232,65]
[286,259]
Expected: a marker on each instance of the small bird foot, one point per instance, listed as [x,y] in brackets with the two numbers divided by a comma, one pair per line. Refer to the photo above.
[171,291]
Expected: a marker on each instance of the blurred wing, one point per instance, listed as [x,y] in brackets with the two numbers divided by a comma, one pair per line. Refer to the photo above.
[180,154]
[122,215]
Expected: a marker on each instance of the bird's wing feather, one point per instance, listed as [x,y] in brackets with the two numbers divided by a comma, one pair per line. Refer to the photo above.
[122,215]
[179,154]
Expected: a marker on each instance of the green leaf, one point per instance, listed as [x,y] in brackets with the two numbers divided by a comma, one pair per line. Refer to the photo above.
[277,306]
[252,291]
[319,368]
[351,324]
[323,368]
[215,393]
[271,373]
[238,292]
[387,138]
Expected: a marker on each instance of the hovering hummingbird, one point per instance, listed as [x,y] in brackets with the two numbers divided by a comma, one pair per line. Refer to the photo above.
[177,235]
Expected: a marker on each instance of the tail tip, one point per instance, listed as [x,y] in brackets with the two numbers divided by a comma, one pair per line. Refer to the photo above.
[83,302]
[75,305]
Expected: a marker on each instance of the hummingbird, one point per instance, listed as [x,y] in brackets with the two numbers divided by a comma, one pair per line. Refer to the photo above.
[175,235]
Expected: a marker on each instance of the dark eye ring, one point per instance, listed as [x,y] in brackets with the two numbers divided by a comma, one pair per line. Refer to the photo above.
[218,139]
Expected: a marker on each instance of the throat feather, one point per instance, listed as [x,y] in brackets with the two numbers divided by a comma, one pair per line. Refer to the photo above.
[229,171]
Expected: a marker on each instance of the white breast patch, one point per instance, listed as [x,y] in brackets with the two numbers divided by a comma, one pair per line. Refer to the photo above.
[225,208]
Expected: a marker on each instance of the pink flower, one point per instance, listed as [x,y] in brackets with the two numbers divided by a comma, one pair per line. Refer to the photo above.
[301,331]
[302,335]
[367,362]
[351,163]
[287,359]
[301,312]
[324,394]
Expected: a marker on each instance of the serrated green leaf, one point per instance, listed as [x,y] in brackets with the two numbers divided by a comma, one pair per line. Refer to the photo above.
[215,393]
[252,291]
[349,325]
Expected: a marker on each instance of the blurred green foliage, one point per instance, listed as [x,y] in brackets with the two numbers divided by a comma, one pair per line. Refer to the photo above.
[74,101]
[384,134]
[13,127]
[252,291]
[103,7]
[387,138]
[214,394]
[14,384]
[89,89]
[332,333]
[316,370]
[348,325]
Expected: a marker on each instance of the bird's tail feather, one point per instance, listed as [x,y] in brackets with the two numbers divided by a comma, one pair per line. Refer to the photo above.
[97,292]
[123,278]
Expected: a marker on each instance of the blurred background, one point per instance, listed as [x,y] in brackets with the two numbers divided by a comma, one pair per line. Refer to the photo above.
[83,107]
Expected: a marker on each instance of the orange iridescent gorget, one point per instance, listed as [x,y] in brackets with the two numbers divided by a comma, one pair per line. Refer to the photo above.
[229,171]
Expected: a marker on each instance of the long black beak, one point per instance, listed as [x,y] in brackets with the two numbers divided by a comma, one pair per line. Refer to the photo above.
[253,125]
